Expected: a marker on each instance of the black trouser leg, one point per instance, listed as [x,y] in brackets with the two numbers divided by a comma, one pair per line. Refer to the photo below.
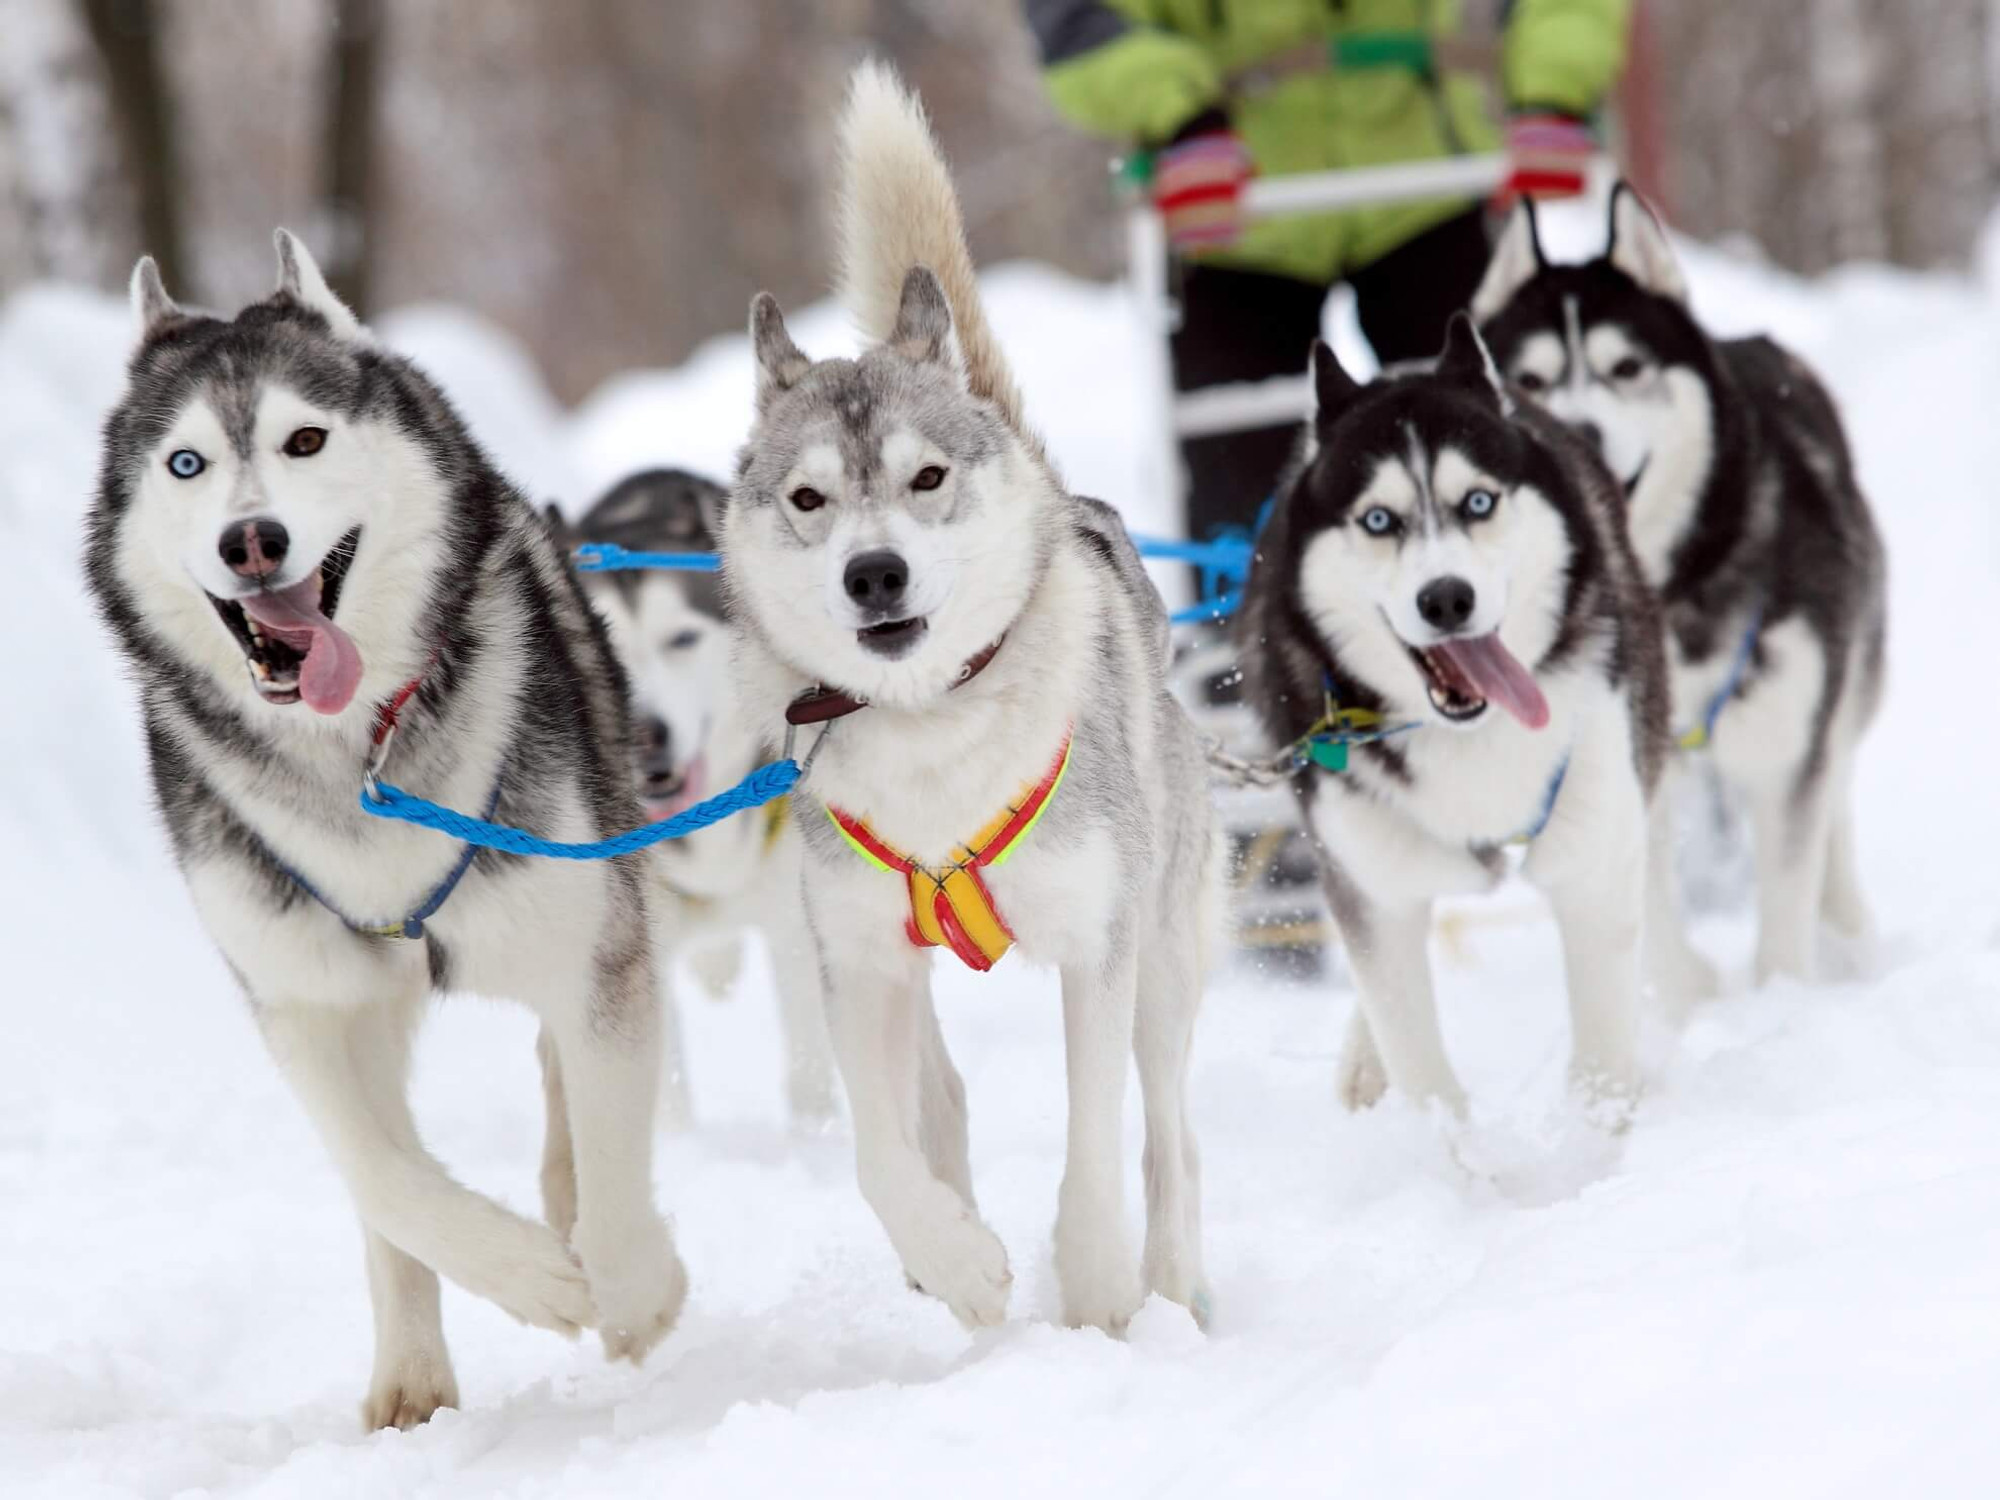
[1407,296]
[1239,325]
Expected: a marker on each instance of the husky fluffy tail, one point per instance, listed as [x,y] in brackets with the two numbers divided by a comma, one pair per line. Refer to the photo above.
[898,211]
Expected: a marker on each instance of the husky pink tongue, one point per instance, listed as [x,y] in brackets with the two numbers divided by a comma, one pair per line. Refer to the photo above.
[1498,677]
[331,670]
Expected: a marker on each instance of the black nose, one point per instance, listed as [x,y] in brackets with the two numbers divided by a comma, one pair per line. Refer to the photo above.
[1590,432]
[876,580]
[1445,603]
[654,743]
[254,549]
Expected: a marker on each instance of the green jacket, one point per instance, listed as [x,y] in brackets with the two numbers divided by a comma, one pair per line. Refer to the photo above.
[1138,70]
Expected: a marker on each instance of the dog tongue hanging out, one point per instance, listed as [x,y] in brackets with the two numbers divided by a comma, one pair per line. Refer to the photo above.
[1447,621]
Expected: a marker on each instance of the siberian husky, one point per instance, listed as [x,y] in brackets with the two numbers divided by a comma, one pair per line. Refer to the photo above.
[690,740]
[315,572]
[1446,621]
[1004,763]
[1747,519]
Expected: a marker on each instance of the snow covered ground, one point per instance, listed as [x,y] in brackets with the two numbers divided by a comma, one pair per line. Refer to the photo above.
[1786,1281]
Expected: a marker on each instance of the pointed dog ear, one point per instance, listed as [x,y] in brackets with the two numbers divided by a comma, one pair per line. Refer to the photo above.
[1517,260]
[923,320]
[1334,389]
[299,279]
[1640,247]
[714,502]
[780,362]
[1467,361]
[559,529]
[152,308]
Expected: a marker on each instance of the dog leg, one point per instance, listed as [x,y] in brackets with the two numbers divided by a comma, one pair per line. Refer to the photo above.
[1791,823]
[941,1122]
[1360,1080]
[1679,973]
[676,1103]
[1094,1263]
[809,1086]
[1387,945]
[345,1065]
[413,1375]
[877,1009]
[1843,905]
[609,1049]
[558,1150]
[1169,996]
[1599,918]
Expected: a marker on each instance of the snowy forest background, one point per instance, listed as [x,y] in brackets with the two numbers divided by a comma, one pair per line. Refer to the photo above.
[611,179]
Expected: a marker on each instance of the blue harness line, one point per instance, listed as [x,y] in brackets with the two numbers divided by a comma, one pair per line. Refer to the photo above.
[1701,734]
[1535,829]
[411,926]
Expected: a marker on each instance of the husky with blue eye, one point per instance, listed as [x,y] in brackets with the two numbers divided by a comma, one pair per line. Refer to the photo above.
[1747,517]
[314,573]
[1446,619]
[1003,764]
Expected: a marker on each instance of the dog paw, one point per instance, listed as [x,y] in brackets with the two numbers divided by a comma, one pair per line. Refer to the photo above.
[1360,1080]
[409,1395]
[1607,1096]
[532,1276]
[1095,1266]
[638,1293]
[962,1263]
[1179,1281]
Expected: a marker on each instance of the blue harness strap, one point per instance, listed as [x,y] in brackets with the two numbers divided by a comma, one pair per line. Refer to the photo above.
[1535,829]
[411,926]
[1698,737]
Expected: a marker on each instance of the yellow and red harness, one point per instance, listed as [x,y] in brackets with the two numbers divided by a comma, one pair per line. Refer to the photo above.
[950,907]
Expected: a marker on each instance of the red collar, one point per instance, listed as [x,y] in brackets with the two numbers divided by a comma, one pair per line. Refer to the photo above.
[387,713]
[819,703]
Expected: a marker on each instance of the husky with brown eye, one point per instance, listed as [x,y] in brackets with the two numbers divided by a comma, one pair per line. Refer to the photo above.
[1003,766]
[314,573]
[1747,517]
[1446,619]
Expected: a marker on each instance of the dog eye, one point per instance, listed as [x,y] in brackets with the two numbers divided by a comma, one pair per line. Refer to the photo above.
[1627,368]
[929,477]
[1528,380]
[185,463]
[1480,504]
[305,442]
[1378,521]
[805,497]
[680,640]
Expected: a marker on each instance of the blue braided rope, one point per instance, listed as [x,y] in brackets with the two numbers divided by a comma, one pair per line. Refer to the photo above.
[1222,560]
[765,784]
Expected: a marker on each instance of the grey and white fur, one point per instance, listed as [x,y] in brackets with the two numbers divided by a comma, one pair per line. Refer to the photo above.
[1451,558]
[691,739]
[1747,517]
[912,471]
[290,524]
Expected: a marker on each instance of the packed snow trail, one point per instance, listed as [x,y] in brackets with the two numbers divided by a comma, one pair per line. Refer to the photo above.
[1783,1281]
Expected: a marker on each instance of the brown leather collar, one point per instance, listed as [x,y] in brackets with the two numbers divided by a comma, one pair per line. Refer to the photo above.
[819,703]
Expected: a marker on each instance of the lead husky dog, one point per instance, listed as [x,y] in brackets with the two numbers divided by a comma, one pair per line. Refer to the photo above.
[1748,521]
[308,561]
[690,739]
[1447,571]
[898,539]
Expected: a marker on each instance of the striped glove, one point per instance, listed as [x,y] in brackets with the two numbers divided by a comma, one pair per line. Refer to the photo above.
[1198,183]
[1547,156]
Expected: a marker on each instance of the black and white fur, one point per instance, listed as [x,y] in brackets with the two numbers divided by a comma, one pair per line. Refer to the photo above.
[1744,508]
[1119,884]
[692,740]
[452,578]
[1426,813]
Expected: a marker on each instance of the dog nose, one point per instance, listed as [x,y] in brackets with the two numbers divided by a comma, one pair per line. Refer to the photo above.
[1445,603]
[1590,432]
[255,549]
[876,580]
[655,744]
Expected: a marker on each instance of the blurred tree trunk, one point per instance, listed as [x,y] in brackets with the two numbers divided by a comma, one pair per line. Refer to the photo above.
[348,171]
[127,38]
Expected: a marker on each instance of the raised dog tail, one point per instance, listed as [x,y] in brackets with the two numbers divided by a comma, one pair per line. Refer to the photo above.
[898,211]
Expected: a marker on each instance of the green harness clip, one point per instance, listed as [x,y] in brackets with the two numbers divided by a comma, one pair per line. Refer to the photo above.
[1328,755]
